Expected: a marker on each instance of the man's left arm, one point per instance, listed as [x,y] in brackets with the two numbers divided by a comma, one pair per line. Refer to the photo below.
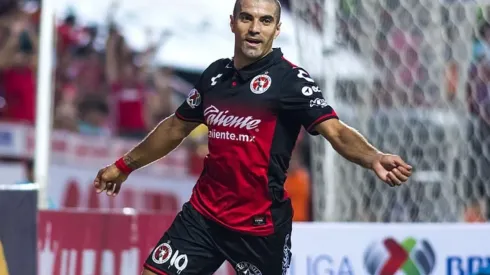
[302,100]
[349,143]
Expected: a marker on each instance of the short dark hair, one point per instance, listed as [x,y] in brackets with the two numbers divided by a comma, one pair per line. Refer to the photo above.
[238,8]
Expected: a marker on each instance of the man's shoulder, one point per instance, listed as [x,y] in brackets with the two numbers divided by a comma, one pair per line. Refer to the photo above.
[296,80]
[214,71]
[294,74]
[218,66]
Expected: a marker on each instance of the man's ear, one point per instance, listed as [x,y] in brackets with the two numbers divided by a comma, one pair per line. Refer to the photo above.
[278,30]
[232,23]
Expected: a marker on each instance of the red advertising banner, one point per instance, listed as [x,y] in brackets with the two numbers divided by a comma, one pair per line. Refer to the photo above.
[95,243]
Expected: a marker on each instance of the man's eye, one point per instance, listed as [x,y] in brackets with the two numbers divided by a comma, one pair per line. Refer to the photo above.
[245,18]
[267,21]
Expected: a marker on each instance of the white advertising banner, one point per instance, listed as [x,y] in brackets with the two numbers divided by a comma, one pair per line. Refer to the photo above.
[390,249]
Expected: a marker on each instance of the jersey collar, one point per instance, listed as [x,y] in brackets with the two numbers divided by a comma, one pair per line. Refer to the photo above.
[261,65]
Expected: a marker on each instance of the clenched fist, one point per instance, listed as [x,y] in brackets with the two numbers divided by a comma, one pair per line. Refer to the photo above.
[109,179]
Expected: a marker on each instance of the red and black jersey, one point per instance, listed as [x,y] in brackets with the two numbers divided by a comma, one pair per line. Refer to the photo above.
[254,116]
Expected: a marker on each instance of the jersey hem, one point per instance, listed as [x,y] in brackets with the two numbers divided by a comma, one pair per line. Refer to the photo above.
[260,233]
[319,120]
[153,269]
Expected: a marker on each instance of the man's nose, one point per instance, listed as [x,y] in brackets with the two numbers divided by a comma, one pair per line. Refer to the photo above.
[254,28]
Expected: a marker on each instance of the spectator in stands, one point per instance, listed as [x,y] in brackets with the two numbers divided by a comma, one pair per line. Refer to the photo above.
[397,55]
[67,33]
[89,69]
[18,61]
[128,94]
[298,187]
[481,43]
[138,97]
[87,64]
[93,117]
[478,99]
[163,101]
[79,72]
[476,212]
[65,115]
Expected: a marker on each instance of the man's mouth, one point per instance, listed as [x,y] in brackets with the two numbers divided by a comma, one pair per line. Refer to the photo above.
[252,41]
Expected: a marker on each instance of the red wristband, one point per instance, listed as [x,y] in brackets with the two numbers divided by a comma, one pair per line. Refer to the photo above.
[121,165]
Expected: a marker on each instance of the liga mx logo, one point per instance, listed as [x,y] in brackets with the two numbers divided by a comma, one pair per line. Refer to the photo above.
[409,257]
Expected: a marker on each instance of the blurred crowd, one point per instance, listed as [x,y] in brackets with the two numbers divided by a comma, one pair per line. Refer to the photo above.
[102,87]
[478,103]
[18,62]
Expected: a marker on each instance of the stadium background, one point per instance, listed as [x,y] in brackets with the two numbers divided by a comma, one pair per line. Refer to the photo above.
[411,75]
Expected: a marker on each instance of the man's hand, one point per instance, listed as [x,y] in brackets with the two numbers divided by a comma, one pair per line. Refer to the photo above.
[391,169]
[162,140]
[109,179]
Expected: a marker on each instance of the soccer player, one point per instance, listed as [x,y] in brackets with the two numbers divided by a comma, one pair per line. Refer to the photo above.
[254,106]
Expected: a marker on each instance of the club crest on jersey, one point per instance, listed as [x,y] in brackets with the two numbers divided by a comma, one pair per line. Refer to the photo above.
[162,253]
[260,84]
[194,99]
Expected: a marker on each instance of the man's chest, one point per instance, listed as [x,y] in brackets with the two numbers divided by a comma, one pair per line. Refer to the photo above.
[233,102]
[260,92]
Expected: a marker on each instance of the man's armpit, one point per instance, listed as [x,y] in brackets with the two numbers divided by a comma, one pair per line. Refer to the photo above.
[186,127]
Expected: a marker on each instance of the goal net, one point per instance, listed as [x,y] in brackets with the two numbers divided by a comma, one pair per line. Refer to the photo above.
[401,72]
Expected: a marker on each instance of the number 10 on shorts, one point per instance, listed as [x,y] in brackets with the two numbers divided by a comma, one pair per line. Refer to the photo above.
[163,253]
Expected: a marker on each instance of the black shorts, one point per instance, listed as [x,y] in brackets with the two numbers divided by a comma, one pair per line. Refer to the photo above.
[194,245]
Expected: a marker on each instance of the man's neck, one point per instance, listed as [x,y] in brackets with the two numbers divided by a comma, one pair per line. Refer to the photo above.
[240,61]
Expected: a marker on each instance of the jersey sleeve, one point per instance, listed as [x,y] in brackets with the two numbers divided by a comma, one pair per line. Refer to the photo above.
[191,109]
[302,100]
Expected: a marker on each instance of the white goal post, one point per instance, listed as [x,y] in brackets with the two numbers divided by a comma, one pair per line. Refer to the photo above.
[44,104]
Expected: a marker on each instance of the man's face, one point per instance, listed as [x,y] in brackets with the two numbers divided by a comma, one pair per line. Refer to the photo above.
[255,28]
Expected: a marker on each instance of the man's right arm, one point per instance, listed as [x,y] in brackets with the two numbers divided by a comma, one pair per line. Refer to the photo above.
[162,140]
[169,133]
